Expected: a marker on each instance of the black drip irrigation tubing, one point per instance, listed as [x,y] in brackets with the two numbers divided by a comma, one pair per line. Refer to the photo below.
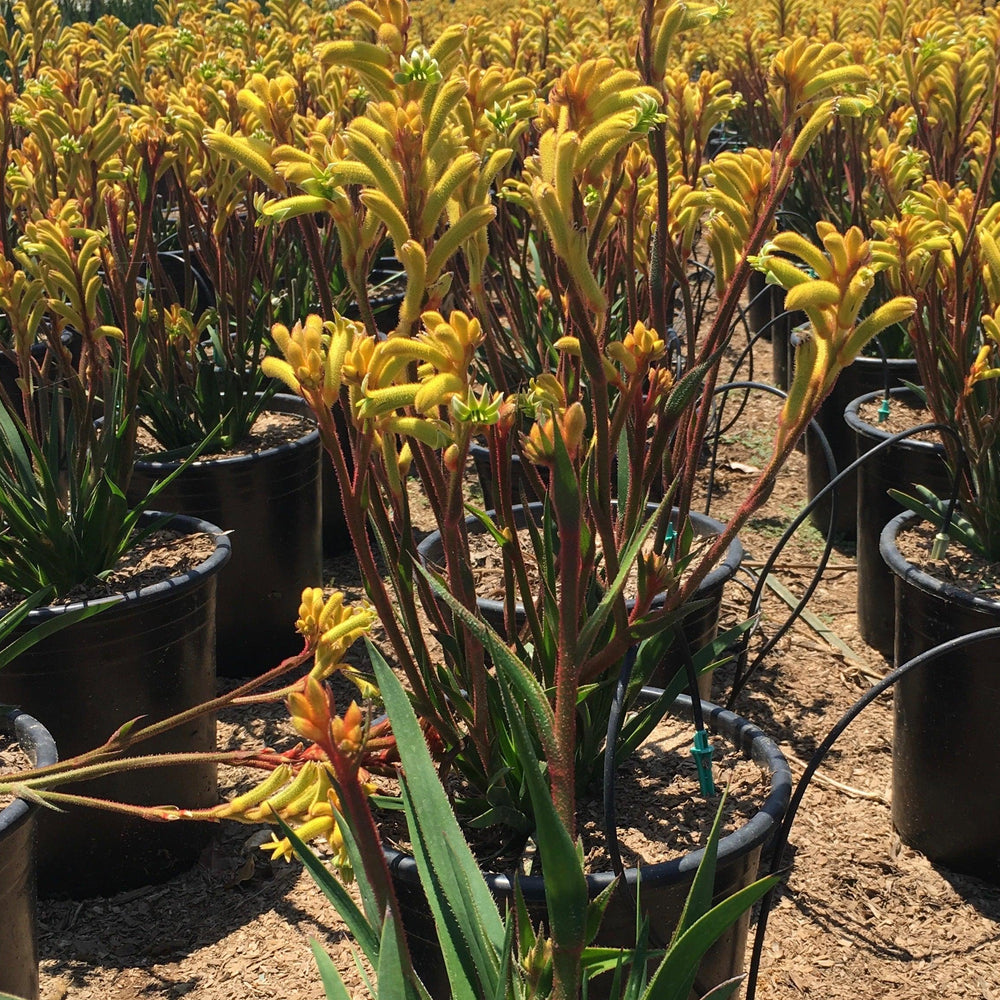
[743,671]
[781,837]
[743,674]
[757,593]
[618,706]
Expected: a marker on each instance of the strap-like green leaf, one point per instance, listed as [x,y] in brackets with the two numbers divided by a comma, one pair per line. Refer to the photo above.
[333,984]
[440,849]
[517,674]
[590,631]
[391,981]
[47,627]
[676,973]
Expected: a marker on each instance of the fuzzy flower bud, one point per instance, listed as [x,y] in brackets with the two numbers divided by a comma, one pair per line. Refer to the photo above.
[348,733]
[539,443]
[302,347]
[330,627]
[640,347]
[309,711]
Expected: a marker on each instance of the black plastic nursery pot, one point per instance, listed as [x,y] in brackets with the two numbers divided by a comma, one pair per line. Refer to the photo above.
[864,375]
[387,272]
[900,466]
[151,654]
[271,504]
[700,626]
[945,754]
[663,887]
[19,925]
[521,486]
[9,373]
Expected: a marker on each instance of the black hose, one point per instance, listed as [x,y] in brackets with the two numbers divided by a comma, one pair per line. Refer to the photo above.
[757,594]
[744,672]
[781,837]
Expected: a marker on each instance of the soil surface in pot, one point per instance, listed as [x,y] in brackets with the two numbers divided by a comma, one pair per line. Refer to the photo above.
[269,431]
[959,566]
[660,811]
[903,415]
[159,556]
[12,760]
[861,918]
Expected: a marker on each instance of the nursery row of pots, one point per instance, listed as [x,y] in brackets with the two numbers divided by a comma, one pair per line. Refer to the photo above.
[159,645]
[158,650]
[553,200]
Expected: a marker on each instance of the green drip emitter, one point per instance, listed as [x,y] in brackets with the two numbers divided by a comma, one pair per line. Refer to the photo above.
[939,546]
[668,540]
[702,753]
[883,410]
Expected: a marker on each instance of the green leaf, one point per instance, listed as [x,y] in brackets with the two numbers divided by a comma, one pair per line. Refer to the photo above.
[590,631]
[45,628]
[487,523]
[934,510]
[636,729]
[357,923]
[596,911]
[680,965]
[443,857]
[333,984]
[457,929]
[725,990]
[699,899]
[523,680]
[391,982]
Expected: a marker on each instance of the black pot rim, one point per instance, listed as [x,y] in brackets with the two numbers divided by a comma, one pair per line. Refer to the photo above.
[754,833]
[189,578]
[916,577]
[894,364]
[861,427]
[156,467]
[37,742]
[718,575]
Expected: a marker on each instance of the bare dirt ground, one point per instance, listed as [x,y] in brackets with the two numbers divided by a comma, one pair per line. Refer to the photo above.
[860,918]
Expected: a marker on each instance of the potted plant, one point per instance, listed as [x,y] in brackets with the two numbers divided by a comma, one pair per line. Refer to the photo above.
[323,791]
[475,939]
[66,523]
[848,176]
[606,390]
[942,247]
[902,466]
[202,374]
